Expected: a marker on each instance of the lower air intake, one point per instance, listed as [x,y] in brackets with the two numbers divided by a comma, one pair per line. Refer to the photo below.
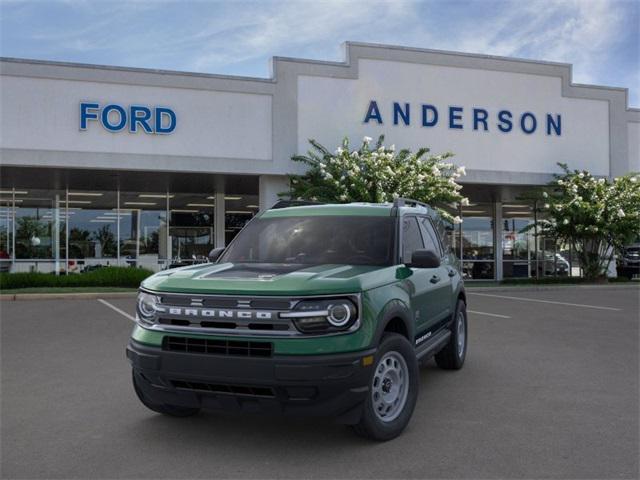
[218,347]
[245,390]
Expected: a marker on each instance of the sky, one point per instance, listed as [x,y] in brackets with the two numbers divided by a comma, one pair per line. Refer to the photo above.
[600,38]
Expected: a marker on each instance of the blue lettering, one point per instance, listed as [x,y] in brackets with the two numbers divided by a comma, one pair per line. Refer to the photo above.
[399,112]
[373,112]
[86,114]
[504,117]
[556,125]
[170,114]
[105,118]
[139,115]
[425,115]
[455,113]
[523,123]
[480,115]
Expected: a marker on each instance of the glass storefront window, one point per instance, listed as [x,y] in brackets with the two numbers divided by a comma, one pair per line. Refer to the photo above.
[92,229]
[478,241]
[40,217]
[192,229]
[144,231]
[6,230]
[239,209]
[518,241]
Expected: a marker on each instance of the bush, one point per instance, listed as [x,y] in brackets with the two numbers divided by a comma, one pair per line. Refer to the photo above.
[102,277]
[377,174]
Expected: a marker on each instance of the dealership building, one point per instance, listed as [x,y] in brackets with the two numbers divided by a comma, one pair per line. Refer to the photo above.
[105,165]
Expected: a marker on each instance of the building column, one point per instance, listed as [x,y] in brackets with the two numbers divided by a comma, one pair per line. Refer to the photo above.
[497,241]
[219,220]
[269,188]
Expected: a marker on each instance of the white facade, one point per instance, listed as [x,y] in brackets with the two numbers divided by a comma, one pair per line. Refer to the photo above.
[329,108]
[508,121]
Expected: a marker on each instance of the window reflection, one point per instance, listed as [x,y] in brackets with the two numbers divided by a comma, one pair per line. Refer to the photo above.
[448,231]
[192,228]
[477,241]
[39,228]
[92,229]
[522,253]
[144,230]
[239,209]
[6,230]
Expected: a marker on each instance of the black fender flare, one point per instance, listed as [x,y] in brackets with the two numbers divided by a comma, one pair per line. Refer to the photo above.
[395,309]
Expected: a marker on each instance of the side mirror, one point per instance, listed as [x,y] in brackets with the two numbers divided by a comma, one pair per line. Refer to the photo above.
[424,259]
[215,254]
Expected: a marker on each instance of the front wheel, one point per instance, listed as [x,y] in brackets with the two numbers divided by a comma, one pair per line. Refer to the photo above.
[393,390]
[452,356]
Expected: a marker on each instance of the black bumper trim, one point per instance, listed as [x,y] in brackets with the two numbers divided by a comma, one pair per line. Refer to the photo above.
[319,385]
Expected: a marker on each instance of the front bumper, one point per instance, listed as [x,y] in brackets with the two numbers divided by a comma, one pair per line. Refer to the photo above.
[319,385]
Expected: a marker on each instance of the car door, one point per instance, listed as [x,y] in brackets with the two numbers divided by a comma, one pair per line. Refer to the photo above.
[442,287]
[421,288]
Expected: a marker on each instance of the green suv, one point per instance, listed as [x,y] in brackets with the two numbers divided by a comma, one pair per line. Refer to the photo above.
[311,310]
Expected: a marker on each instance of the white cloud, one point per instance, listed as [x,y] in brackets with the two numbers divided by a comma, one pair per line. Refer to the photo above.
[237,37]
[286,26]
[570,31]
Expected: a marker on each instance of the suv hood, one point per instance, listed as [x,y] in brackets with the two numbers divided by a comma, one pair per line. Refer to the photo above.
[270,279]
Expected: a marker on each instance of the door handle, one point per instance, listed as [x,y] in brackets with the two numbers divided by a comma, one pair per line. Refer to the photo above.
[435,279]
[452,273]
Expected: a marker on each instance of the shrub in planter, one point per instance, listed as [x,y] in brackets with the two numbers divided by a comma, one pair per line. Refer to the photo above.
[102,277]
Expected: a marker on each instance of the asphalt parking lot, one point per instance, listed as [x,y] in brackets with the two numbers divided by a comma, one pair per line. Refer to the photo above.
[550,390]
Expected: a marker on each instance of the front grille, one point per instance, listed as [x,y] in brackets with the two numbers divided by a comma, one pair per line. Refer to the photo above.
[247,390]
[218,347]
[209,301]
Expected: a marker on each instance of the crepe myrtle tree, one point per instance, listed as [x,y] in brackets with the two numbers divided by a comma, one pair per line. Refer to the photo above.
[375,173]
[597,217]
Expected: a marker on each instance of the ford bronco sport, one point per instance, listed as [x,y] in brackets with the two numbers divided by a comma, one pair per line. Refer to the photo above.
[313,310]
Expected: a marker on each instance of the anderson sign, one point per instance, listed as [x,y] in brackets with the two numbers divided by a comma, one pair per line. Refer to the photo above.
[461,118]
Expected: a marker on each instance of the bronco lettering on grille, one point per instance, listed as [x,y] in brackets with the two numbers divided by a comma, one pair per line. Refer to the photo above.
[216,313]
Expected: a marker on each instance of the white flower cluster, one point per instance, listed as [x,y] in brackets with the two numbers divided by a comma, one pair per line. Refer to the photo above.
[592,214]
[375,173]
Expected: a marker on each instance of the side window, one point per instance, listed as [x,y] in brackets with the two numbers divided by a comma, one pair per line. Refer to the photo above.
[411,238]
[445,231]
[431,241]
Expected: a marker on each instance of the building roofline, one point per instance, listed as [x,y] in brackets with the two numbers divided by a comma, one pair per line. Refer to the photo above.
[118,68]
[347,62]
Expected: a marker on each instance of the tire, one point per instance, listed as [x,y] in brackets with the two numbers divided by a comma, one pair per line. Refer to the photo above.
[452,356]
[170,410]
[396,373]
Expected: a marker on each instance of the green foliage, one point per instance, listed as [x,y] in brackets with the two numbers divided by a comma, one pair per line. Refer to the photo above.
[596,216]
[101,277]
[376,174]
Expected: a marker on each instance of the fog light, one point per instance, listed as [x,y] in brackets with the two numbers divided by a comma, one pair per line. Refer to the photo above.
[312,324]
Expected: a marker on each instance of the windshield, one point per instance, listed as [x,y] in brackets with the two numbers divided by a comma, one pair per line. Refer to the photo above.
[348,240]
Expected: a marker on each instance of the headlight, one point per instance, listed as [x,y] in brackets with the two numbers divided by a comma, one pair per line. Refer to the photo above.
[146,307]
[323,316]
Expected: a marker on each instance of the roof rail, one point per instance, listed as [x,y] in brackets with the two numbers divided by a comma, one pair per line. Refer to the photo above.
[402,202]
[293,203]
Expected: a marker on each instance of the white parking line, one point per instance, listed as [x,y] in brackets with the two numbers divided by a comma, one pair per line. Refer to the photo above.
[116,309]
[488,314]
[544,301]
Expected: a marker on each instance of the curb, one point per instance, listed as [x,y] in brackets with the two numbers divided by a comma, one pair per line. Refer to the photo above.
[66,296]
[539,288]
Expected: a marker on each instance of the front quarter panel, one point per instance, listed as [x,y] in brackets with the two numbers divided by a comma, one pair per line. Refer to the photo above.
[386,303]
